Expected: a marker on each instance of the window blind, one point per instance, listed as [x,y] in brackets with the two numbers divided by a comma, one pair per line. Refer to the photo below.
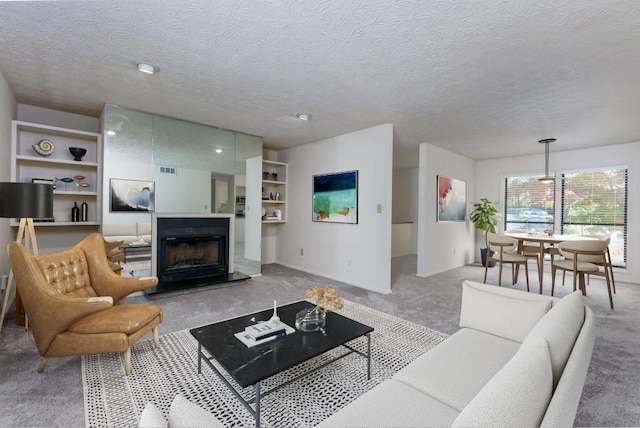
[595,202]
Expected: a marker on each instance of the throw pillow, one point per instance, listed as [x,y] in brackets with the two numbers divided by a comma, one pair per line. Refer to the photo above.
[152,417]
[518,395]
[560,328]
[184,413]
[500,315]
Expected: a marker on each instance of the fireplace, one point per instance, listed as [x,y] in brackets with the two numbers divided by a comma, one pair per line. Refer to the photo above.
[190,248]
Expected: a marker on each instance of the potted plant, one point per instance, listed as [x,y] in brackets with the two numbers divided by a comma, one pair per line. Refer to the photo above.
[485,217]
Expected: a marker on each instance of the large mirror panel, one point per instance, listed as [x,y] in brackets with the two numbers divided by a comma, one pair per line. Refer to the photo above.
[195,168]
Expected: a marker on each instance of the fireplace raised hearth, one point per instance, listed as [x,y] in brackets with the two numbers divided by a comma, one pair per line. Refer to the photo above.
[192,250]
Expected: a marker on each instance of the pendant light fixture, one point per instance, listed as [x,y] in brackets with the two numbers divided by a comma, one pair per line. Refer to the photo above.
[547,178]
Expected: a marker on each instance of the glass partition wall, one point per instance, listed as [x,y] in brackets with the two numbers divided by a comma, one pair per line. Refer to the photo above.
[195,169]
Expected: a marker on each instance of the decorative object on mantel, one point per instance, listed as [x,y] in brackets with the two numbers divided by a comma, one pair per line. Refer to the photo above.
[77,153]
[314,319]
[44,147]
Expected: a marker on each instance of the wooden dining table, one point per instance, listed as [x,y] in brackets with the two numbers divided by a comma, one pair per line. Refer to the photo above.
[542,239]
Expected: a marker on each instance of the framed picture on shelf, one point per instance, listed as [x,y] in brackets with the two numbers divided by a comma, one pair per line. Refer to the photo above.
[131,195]
[335,197]
[452,199]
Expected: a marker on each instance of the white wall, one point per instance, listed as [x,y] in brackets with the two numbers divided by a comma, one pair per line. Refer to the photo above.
[491,173]
[405,211]
[358,254]
[8,108]
[443,245]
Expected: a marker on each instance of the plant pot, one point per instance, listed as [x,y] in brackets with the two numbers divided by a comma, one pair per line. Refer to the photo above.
[483,258]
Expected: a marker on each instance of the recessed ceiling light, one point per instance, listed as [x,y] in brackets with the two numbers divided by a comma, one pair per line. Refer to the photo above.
[218,150]
[111,132]
[303,116]
[147,68]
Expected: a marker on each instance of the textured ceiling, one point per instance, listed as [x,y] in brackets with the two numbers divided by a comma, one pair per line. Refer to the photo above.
[481,78]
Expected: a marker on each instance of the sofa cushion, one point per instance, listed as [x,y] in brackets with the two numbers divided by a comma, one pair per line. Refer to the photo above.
[118,229]
[143,228]
[518,395]
[182,413]
[455,370]
[392,404]
[499,314]
[560,328]
[126,319]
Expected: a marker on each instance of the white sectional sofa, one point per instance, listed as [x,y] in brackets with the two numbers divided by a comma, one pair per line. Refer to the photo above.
[127,232]
[519,359]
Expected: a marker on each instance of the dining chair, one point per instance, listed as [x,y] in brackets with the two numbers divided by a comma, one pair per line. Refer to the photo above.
[503,249]
[531,250]
[581,258]
[606,260]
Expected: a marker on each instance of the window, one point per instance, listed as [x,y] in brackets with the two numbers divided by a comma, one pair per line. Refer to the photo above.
[529,204]
[595,202]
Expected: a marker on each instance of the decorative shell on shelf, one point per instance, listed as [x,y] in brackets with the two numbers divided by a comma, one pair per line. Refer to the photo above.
[44,147]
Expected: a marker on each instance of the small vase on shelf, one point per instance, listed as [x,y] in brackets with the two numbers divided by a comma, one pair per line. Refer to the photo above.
[75,212]
[84,211]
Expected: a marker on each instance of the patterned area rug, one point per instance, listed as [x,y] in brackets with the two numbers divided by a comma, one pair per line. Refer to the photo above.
[115,400]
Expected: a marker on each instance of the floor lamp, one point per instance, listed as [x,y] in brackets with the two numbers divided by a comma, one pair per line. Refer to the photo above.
[25,201]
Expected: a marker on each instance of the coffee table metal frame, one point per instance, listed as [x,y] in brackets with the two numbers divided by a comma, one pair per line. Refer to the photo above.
[259,394]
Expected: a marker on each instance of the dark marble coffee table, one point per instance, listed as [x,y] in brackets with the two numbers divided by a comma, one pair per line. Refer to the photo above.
[249,366]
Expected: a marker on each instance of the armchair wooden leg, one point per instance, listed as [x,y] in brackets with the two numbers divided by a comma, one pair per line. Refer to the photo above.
[127,361]
[156,340]
[43,365]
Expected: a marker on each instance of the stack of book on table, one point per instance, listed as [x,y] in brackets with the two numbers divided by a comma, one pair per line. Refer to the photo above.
[262,332]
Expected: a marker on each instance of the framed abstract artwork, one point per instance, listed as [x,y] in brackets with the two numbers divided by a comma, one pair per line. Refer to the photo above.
[452,199]
[335,197]
[132,195]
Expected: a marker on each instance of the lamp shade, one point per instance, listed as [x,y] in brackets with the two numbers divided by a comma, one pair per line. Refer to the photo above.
[26,200]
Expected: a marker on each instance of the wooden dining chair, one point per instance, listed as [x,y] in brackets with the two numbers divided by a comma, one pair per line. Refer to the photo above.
[606,261]
[502,249]
[581,258]
[531,250]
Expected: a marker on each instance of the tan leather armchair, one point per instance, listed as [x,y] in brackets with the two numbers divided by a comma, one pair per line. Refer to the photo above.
[72,299]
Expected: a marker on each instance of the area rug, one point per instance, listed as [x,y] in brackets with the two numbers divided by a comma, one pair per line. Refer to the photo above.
[114,400]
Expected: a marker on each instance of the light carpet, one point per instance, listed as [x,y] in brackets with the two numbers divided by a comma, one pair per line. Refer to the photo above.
[112,399]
